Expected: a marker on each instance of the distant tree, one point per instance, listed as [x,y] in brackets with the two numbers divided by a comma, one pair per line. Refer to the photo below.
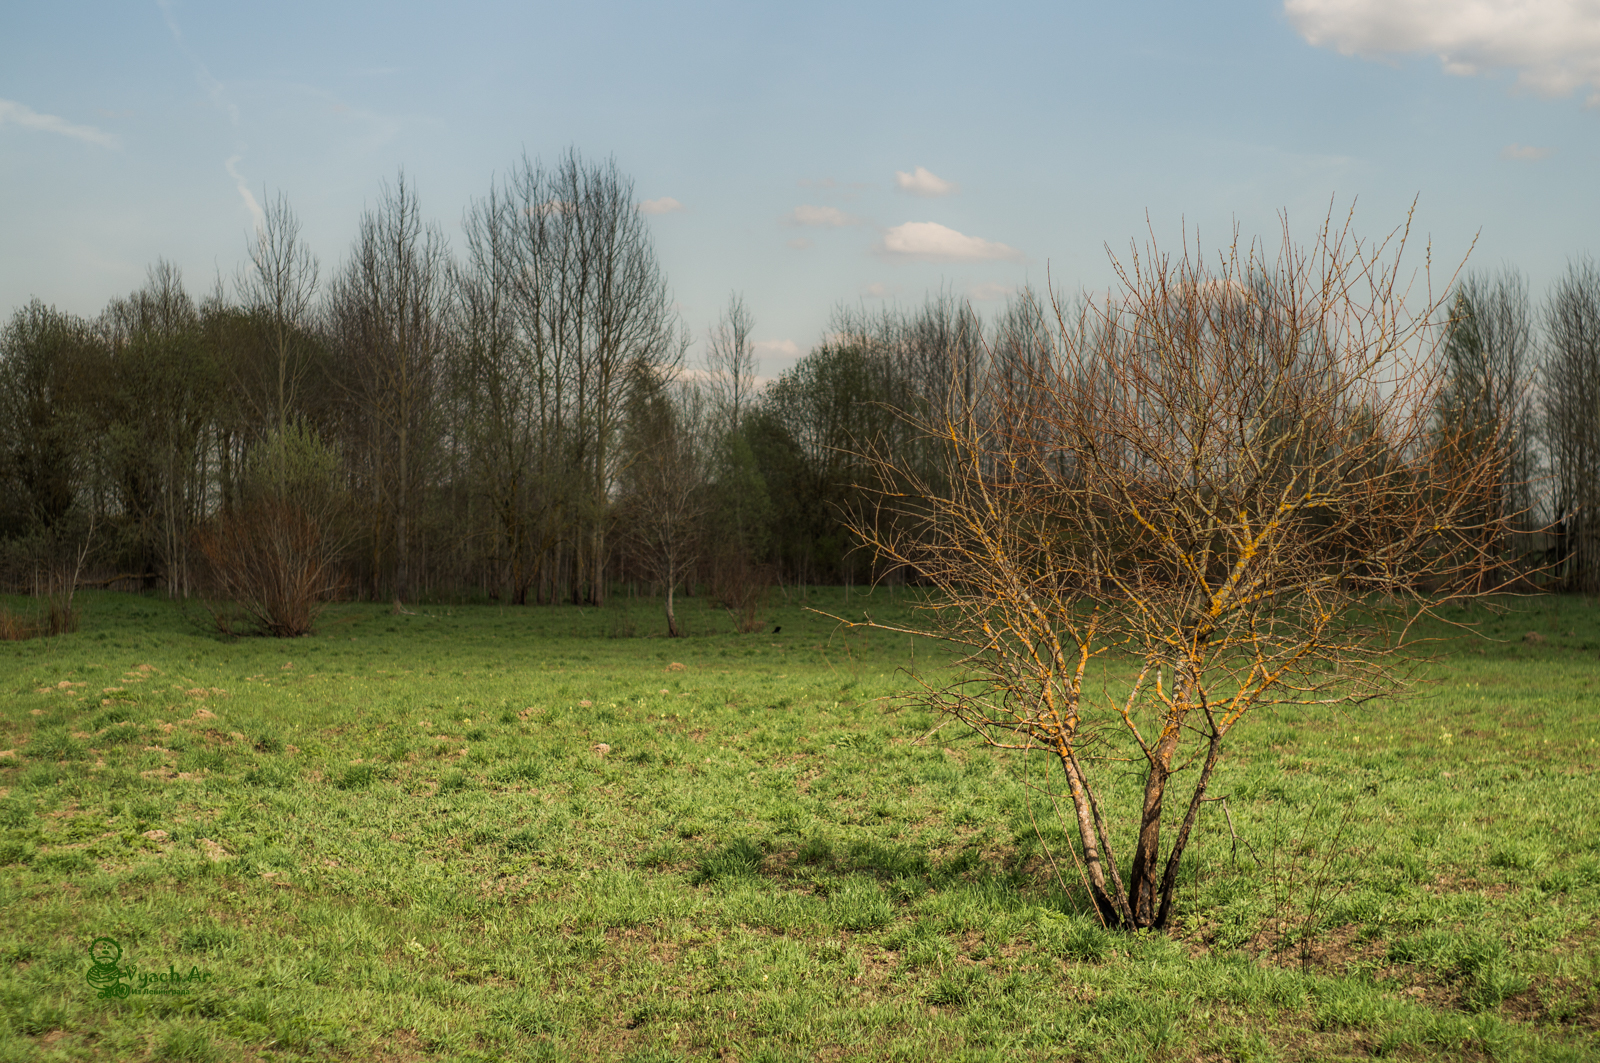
[50,363]
[731,364]
[506,420]
[390,319]
[159,413]
[52,369]
[279,291]
[593,318]
[1491,369]
[1572,423]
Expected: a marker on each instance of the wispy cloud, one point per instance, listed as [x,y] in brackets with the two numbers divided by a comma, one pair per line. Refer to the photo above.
[213,88]
[1553,46]
[779,348]
[799,243]
[257,215]
[822,217]
[879,290]
[1524,151]
[22,115]
[664,205]
[828,184]
[920,182]
[929,241]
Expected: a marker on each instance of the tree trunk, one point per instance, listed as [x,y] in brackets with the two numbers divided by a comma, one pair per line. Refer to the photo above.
[1112,911]
[1143,895]
[1169,880]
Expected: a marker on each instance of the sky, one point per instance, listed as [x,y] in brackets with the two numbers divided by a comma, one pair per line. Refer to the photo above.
[807,156]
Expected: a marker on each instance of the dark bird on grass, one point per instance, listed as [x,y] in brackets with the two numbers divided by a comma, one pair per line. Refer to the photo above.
[777,629]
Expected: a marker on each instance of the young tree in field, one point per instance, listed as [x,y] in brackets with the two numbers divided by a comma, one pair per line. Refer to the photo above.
[665,489]
[275,553]
[1212,498]
[1572,423]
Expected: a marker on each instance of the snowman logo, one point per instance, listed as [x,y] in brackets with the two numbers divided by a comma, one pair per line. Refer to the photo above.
[105,975]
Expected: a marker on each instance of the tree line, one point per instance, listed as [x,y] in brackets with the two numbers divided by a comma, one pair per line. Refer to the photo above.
[515,418]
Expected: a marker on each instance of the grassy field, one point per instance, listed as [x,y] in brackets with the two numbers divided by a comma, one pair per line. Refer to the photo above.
[478,833]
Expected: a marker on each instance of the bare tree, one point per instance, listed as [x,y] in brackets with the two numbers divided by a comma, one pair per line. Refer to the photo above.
[1214,497]
[1490,366]
[390,316]
[665,488]
[593,311]
[731,363]
[1572,424]
[280,290]
[159,416]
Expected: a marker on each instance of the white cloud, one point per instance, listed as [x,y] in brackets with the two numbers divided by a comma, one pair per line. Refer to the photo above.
[825,217]
[989,291]
[551,206]
[1524,151]
[257,215]
[920,182]
[28,118]
[879,290]
[799,243]
[664,205]
[1553,46]
[780,348]
[931,242]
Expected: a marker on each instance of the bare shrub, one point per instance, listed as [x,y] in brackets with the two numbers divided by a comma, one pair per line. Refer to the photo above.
[275,555]
[1223,488]
[272,559]
[743,587]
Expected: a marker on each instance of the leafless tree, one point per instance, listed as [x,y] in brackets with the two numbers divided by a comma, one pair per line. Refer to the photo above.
[1572,423]
[666,486]
[159,416]
[390,316]
[1491,370]
[731,364]
[280,291]
[1215,497]
[592,308]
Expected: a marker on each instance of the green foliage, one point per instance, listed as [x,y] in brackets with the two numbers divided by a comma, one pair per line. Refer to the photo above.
[294,463]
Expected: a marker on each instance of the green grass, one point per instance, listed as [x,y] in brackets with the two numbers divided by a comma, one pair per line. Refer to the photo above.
[402,840]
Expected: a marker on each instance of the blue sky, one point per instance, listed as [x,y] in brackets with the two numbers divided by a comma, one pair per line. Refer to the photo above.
[806,155]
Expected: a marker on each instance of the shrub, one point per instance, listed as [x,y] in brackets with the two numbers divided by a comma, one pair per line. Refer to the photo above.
[275,555]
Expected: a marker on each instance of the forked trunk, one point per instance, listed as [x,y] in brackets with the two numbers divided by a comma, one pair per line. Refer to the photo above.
[1169,880]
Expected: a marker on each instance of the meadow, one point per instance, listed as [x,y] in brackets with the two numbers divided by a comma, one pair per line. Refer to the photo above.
[480,833]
